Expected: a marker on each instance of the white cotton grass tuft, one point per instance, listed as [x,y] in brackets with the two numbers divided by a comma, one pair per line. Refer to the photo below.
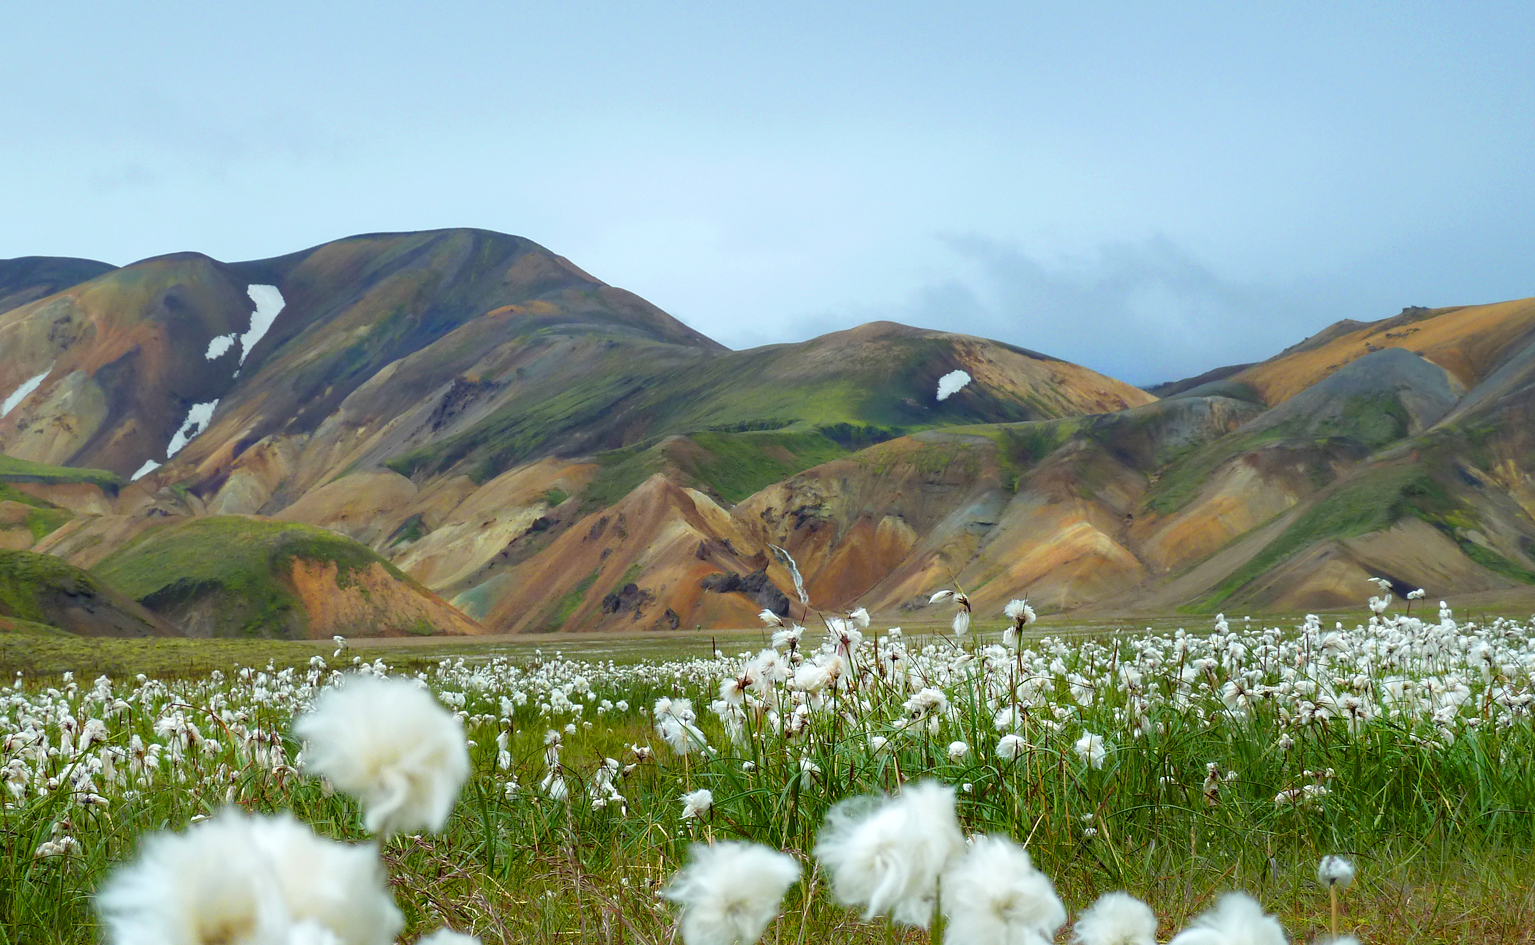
[391,745]
[1337,874]
[697,803]
[1237,919]
[1091,749]
[674,725]
[951,384]
[995,896]
[1117,918]
[245,878]
[730,891]
[886,854]
[1335,871]
[1019,612]
[338,885]
[447,937]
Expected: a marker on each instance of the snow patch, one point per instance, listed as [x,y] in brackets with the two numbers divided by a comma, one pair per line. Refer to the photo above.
[950,384]
[27,387]
[219,345]
[269,302]
[144,470]
[195,423]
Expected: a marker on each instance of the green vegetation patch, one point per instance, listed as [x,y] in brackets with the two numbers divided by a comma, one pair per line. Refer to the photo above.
[242,562]
[738,465]
[619,473]
[1182,479]
[43,521]
[1431,502]
[567,605]
[20,470]
[25,574]
[1370,503]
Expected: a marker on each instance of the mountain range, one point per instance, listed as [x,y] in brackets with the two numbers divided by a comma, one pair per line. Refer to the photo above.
[462,432]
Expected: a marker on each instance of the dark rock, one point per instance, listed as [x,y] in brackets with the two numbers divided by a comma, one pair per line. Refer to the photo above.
[755,585]
[630,599]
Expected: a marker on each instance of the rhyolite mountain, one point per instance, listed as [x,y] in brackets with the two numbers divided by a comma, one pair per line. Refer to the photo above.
[489,439]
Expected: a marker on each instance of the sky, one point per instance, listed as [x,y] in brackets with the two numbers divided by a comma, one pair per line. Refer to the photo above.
[1151,190]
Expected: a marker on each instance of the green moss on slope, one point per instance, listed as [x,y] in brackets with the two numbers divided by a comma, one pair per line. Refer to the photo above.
[25,575]
[737,465]
[20,470]
[239,563]
[1369,503]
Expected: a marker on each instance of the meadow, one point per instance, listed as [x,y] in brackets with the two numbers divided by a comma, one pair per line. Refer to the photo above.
[1173,764]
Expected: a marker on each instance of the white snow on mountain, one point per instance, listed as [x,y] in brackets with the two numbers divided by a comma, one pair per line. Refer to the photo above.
[19,394]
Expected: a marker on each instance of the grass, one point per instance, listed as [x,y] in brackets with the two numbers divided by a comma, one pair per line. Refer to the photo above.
[44,521]
[567,605]
[241,562]
[730,465]
[737,465]
[1442,849]
[1179,483]
[23,575]
[21,470]
[44,517]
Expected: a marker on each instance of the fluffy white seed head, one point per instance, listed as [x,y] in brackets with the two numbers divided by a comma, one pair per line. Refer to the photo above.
[1117,918]
[886,854]
[340,886]
[246,879]
[1091,749]
[730,891]
[1335,871]
[1019,611]
[448,937]
[962,623]
[697,803]
[1010,747]
[1236,920]
[391,745]
[995,896]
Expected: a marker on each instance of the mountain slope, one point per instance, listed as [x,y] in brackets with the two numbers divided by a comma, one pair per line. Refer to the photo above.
[372,428]
[241,576]
[29,278]
[41,589]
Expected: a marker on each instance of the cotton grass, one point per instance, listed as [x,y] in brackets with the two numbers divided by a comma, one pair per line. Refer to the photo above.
[995,896]
[1117,918]
[238,878]
[730,891]
[391,745]
[1237,919]
[886,854]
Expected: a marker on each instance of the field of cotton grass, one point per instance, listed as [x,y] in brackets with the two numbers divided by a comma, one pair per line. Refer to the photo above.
[1376,780]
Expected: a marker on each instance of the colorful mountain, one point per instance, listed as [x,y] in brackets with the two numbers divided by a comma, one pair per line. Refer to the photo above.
[459,431]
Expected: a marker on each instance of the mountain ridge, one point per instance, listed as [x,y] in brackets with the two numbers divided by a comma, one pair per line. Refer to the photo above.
[534,449]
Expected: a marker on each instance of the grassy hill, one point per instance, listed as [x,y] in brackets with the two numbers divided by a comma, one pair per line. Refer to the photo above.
[249,577]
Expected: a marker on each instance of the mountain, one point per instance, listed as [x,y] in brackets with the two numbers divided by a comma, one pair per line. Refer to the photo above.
[40,591]
[459,431]
[30,278]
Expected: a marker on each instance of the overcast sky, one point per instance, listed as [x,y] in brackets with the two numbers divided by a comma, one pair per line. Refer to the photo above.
[1148,189]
